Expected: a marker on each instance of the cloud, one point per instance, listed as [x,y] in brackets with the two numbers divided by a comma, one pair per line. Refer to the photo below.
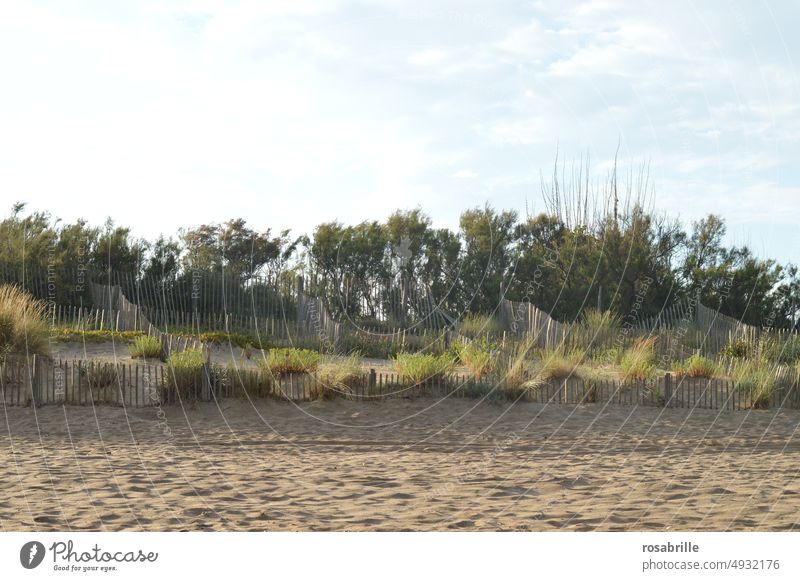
[293,112]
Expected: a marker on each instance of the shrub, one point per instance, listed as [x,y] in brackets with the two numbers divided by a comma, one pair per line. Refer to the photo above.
[423,367]
[185,371]
[696,366]
[145,346]
[23,325]
[736,349]
[290,360]
[475,325]
[339,376]
[478,356]
[638,362]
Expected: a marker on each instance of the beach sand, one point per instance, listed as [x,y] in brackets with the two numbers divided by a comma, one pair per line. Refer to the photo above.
[224,354]
[422,464]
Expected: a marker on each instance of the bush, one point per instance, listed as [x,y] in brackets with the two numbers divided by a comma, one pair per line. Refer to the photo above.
[638,361]
[23,324]
[475,325]
[736,349]
[146,346]
[185,372]
[478,356]
[290,360]
[423,367]
[696,366]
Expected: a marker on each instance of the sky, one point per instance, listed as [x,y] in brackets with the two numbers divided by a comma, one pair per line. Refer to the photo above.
[168,114]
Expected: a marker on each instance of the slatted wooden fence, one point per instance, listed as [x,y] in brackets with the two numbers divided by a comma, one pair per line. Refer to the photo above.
[40,381]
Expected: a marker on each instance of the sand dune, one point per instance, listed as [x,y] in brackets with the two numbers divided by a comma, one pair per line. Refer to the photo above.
[418,464]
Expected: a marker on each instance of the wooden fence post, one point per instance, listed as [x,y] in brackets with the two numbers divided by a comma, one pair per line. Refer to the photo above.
[668,390]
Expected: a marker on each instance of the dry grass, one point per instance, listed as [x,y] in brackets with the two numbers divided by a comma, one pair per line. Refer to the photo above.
[556,363]
[758,378]
[23,324]
[338,377]
[597,330]
[639,361]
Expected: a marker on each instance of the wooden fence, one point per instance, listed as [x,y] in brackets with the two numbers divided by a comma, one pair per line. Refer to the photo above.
[41,381]
[682,330]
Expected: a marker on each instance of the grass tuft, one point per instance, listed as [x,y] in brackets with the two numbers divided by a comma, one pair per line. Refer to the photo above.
[555,363]
[423,367]
[23,324]
[757,378]
[145,346]
[475,325]
[597,330]
[339,376]
[185,372]
[478,356]
[696,366]
[638,362]
[290,360]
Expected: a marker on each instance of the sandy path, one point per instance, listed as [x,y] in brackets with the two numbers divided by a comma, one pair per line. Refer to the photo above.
[400,465]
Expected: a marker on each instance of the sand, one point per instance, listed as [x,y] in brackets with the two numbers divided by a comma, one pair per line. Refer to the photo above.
[117,352]
[420,464]
[221,354]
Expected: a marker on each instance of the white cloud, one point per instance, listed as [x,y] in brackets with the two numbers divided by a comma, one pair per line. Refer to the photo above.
[289,113]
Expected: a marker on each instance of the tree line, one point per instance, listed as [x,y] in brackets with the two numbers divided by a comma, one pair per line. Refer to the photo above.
[562,260]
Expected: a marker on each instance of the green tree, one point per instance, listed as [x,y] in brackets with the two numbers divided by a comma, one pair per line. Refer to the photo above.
[488,253]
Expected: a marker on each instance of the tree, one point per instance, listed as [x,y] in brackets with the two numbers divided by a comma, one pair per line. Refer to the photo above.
[488,251]
[234,248]
[116,251]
